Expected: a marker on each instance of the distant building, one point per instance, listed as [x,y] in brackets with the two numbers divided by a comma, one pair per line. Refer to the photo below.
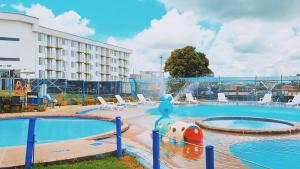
[33,51]
[147,74]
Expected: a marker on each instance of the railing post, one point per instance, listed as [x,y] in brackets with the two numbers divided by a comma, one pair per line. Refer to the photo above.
[209,153]
[155,147]
[119,136]
[30,144]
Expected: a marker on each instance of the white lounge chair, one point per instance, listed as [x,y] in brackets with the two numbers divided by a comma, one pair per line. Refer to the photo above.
[123,102]
[143,100]
[266,99]
[222,98]
[295,101]
[108,105]
[190,98]
[173,101]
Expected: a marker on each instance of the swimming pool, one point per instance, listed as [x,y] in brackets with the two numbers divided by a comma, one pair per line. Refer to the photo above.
[246,123]
[201,111]
[277,154]
[51,129]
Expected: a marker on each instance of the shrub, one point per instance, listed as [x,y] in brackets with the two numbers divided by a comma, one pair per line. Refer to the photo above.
[42,108]
[74,101]
[130,98]
[111,100]
[89,101]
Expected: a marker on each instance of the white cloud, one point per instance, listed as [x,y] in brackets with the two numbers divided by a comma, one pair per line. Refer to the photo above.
[174,30]
[235,9]
[69,21]
[246,48]
[2,5]
[257,37]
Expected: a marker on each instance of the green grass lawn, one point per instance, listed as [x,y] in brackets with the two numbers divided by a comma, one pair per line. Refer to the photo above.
[126,162]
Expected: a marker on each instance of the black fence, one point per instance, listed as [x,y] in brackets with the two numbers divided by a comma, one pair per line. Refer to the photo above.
[11,86]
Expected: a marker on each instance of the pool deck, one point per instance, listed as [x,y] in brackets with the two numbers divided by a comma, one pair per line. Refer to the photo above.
[138,136]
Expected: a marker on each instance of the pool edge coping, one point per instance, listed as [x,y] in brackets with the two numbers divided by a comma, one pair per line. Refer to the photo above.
[295,127]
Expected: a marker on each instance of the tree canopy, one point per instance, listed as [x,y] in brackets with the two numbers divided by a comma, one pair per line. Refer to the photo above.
[187,62]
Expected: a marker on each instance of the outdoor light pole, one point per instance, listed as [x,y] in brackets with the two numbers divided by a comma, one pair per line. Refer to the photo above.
[161,67]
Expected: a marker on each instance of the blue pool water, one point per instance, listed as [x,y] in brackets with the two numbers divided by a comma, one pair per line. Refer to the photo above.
[86,111]
[283,113]
[246,124]
[50,129]
[277,154]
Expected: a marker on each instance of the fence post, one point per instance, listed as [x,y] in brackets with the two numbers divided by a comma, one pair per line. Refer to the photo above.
[119,136]
[30,144]
[209,154]
[98,88]
[155,147]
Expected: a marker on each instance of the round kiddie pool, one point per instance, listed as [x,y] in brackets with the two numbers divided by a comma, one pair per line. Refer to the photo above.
[248,125]
[52,129]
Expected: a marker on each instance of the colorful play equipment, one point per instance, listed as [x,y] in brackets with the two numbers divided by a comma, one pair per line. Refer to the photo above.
[176,132]
[19,97]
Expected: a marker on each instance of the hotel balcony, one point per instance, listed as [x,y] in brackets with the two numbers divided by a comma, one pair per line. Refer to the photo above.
[81,59]
[51,44]
[59,58]
[51,56]
[50,67]
[59,68]
[80,68]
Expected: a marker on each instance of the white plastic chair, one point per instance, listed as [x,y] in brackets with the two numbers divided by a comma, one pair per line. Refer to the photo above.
[143,100]
[294,101]
[108,105]
[222,98]
[190,98]
[266,99]
[122,102]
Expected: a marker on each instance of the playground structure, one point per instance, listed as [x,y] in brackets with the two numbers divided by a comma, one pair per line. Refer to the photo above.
[20,98]
[18,95]
[177,132]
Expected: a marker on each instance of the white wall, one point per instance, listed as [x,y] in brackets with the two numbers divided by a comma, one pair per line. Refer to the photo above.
[23,49]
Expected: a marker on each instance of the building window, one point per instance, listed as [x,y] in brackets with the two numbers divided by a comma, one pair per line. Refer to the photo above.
[63,41]
[41,74]
[63,52]
[41,49]
[40,37]
[9,39]
[41,61]
[72,64]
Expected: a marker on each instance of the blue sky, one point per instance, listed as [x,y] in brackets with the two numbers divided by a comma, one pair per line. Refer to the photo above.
[240,38]
[110,18]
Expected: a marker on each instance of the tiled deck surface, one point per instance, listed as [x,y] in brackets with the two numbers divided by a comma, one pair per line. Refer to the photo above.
[137,136]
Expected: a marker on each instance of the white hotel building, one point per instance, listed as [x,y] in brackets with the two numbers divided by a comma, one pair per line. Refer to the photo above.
[40,52]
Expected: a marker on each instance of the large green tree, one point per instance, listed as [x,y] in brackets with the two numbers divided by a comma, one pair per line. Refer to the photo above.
[187,62]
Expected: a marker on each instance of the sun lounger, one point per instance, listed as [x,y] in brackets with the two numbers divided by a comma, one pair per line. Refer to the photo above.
[123,102]
[222,98]
[108,105]
[143,100]
[267,99]
[295,101]
[191,99]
